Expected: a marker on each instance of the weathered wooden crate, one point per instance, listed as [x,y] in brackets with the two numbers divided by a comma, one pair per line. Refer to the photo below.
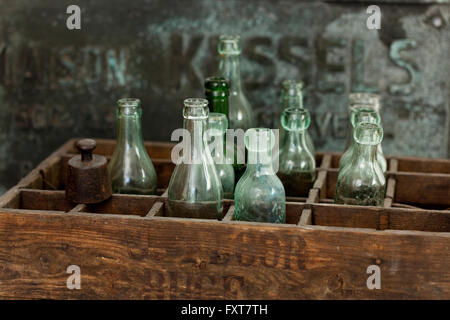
[127,249]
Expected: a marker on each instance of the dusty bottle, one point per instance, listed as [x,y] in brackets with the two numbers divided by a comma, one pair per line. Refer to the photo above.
[195,190]
[240,111]
[365,100]
[297,166]
[358,115]
[259,194]
[130,167]
[363,183]
[217,126]
[292,97]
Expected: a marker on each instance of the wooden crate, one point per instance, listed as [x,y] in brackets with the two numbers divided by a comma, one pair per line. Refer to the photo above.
[127,249]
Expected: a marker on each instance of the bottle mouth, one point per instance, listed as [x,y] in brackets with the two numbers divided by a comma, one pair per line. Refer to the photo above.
[367,133]
[291,89]
[295,119]
[217,123]
[195,108]
[128,102]
[230,45]
[363,114]
[217,86]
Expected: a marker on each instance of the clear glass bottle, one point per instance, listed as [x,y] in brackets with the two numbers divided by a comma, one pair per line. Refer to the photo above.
[292,97]
[259,194]
[297,166]
[363,183]
[240,111]
[365,100]
[130,167]
[358,115]
[217,127]
[195,190]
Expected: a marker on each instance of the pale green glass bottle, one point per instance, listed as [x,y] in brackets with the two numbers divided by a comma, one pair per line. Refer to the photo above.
[130,167]
[363,183]
[292,97]
[195,190]
[358,115]
[365,100]
[240,113]
[297,166]
[259,194]
[217,127]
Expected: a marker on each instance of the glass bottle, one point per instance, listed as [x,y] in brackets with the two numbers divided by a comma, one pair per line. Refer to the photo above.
[297,166]
[217,92]
[259,194]
[365,100]
[195,190]
[292,97]
[217,127]
[358,115]
[240,111]
[363,183]
[130,167]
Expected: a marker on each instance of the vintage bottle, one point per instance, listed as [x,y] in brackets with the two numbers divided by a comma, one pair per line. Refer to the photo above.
[297,166]
[195,190]
[358,115]
[130,167]
[259,194]
[216,92]
[363,183]
[240,111]
[365,100]
[217,127]
[292,97]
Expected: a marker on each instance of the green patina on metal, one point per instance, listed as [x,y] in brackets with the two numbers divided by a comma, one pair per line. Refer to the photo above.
[56,84]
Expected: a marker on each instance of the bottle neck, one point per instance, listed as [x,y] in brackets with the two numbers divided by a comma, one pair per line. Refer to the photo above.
[260,162]
[294,140]
[218,104]
[129,130]
[292,102]
[193,143]
[364,154]
[229,68]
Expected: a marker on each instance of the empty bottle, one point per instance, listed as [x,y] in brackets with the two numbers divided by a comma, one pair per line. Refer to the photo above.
[217,127]
[240,111]
[259,194]
[363,183]
[358,115]
[365,100]
[292,97]
[195,190]
[297,166]
[130,167]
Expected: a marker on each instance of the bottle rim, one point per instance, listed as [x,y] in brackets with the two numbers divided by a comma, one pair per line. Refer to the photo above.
[128,102]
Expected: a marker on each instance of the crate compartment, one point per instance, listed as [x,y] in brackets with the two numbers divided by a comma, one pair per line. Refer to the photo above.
[428,191]
[45,200]
[123,204]
[380,218]
[421,165]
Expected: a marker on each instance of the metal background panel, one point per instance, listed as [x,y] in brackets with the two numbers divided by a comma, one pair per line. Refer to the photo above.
[56,84]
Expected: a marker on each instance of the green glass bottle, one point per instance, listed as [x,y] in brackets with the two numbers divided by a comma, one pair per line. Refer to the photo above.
[130,167]
[217,92]
[259,194]
[195,190]
[363,183]
[358,115]
[217,127]
[365,100]
[292,97]
[297,166]
[240,111]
